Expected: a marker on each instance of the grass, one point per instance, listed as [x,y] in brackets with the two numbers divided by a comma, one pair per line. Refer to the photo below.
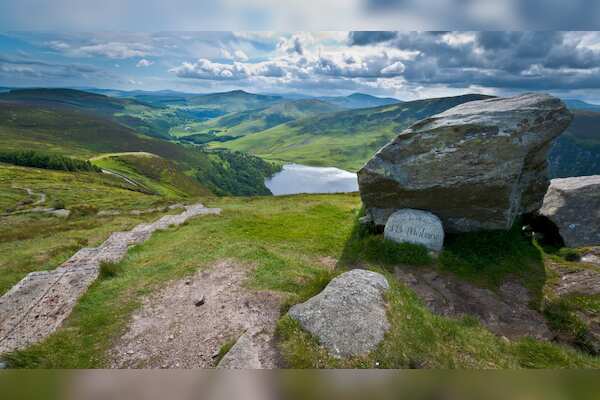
[285,238]
[37,241]
[345,139]
[110,270]
[224,349]
[153,173]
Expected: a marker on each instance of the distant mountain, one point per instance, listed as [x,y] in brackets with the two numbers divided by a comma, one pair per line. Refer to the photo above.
[577,151]
[359,100]
[581,105]
[345,139]
[83,101]
[233,101]
[246,122]
[154,120]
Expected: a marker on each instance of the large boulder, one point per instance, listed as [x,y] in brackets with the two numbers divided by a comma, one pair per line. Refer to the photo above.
[573,205]
[477,166]
[349,316]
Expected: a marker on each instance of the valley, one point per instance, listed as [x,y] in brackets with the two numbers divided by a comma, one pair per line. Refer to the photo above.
[135,158]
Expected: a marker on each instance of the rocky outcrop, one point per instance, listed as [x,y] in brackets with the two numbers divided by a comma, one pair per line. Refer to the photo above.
[477,166]
[573,205]
[348,317]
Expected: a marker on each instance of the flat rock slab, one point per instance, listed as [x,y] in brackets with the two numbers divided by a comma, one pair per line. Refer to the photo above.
[349,316]
[573,205]
[477,166]
[37,306]
[416,227]
[583,280]
[505,314]
[171,331]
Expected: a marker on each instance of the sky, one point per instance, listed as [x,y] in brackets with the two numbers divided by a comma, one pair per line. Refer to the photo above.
[406,65]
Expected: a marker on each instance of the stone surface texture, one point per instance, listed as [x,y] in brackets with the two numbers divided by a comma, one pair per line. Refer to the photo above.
[349,316]
[417,227]
[573,205]
[37,305]
[477,166]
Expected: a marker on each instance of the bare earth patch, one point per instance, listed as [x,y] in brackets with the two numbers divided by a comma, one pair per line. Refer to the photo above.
[506,313]
[185,324]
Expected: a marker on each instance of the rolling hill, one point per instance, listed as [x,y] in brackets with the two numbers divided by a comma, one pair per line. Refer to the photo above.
[148,119]
[577,151]
[233,101]
[359,100]
[581,105]
[251,121]
[343,139]
[71,132]
[152,174]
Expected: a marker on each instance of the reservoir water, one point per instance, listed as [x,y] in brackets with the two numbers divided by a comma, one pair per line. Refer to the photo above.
[296,178]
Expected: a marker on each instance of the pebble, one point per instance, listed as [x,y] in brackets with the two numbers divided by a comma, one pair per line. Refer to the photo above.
[199,301]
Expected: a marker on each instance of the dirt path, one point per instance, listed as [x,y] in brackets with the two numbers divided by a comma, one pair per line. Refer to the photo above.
[125,178]
[506,313]
[37,305]
[185,324]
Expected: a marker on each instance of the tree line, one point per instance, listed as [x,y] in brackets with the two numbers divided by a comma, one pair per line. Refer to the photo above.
[38,159]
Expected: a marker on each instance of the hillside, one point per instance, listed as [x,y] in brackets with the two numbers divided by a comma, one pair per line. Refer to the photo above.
[145,118]
[577,151]
[233,101]
[246,122]
[359,100]
[343,139]
[67,131]
[152,173]
[581,105]
[292,246]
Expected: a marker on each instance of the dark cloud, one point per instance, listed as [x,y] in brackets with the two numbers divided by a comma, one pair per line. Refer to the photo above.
[360,38]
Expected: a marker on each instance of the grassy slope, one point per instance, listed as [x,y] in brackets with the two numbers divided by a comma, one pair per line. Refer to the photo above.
[75,133]
[345,139]
[39,241]
[145,118]
[154,173]
[286,238]
[577,151]
[251,121]
[72,132]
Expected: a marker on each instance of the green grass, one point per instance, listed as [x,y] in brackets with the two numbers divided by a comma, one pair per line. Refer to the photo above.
[345,139]
[224,349]
[285,238]
[153,173]
[109,270]
[37,241]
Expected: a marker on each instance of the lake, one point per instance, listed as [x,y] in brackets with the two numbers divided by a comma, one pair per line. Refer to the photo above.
[296,178]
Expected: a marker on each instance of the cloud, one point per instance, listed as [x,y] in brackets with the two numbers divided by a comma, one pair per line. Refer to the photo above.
[360,38]
[40,71]
[143,63]
[114,50]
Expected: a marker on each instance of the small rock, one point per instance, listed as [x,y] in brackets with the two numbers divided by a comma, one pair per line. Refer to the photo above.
[188,281]
[349,315]
[130,352]
[171,337]
[200,301]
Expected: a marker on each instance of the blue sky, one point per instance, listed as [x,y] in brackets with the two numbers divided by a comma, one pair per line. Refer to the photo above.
[406,65]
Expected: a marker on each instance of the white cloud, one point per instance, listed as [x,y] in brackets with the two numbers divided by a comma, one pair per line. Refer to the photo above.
[143,63]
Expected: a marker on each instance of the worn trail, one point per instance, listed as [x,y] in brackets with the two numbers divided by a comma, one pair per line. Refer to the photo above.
[36,306]
[185,324]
